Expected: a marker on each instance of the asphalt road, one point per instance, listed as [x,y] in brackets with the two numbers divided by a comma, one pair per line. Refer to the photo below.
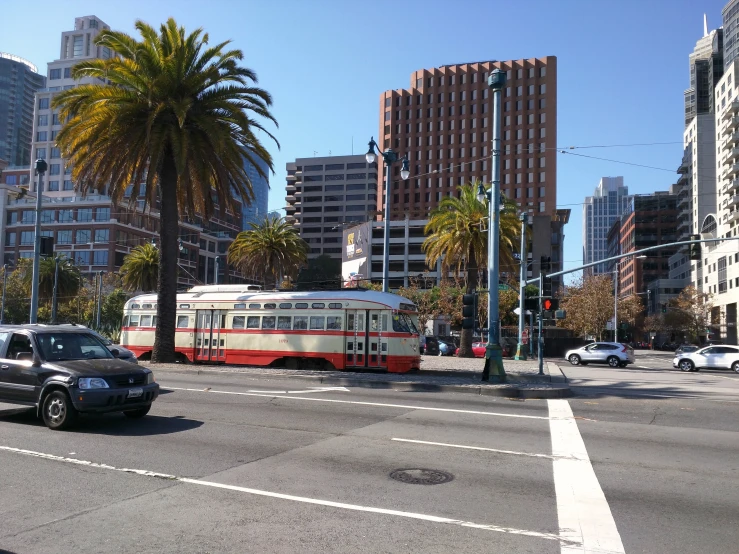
[258,465]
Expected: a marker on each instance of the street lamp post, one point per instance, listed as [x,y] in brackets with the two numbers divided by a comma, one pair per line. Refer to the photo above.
[5,282]
[493,352]
[521,349]
[615,303]
[54,294]
[389,157]
[217,269]
[41,168]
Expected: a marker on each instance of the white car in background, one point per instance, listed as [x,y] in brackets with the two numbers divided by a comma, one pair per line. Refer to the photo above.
[709,357]
[614,354]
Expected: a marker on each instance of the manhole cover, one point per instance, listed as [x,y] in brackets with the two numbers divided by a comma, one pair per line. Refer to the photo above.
[421,476]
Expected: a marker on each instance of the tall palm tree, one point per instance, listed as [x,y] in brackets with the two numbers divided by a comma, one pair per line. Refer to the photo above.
[270,248]
[68,278]
[457,235]
[178,116]
[140,269]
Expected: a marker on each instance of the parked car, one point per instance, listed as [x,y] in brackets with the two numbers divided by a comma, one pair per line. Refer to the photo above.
[709,357]
[614,354]
[685,349]
[123,353]
[438,347]
[478,348]
[64,370]
[421,344]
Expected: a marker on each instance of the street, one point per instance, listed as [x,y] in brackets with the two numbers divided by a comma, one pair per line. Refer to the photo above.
[641,460]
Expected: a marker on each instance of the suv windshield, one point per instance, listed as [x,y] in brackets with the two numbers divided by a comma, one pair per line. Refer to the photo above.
[71,346]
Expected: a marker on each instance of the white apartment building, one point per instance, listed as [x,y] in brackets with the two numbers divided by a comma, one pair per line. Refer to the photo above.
[599,212]
[721,260]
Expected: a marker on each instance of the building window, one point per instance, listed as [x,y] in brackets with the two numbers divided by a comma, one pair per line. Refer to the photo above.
[77,44]
[10,239]
[53,185]
[84,214]
[64,237]
[43,103]
[67,72]
[102,214]
[55,74]
[42,136]
[54,169]
[68,185]
[43,120]
[82,236]
[55,152]
[82,257]
[55,119]
[100,257]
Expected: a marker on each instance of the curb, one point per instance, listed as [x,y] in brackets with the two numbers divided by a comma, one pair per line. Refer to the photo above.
[506,391]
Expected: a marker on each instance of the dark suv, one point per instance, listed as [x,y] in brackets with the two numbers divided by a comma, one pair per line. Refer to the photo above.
[63,371]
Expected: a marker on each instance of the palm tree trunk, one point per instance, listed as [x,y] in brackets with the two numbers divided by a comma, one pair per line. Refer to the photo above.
[164,349]
[465,339]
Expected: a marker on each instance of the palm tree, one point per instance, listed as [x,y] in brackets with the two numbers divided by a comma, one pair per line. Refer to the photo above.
[177,116]
[272,247]
[68,278]
[457,235]
[140,268]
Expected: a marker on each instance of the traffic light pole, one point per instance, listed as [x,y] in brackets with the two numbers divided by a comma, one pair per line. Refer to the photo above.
[540,349]
[521,348]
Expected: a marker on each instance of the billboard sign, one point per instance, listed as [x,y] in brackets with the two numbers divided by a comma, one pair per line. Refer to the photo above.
[355,251]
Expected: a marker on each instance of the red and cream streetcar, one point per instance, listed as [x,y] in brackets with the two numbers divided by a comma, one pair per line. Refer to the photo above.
[238,324]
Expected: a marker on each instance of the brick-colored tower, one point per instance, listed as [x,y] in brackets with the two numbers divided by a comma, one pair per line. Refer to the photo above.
[443,122]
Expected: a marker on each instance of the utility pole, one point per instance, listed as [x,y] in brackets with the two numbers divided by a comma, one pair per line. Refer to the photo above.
[540,344]
[5,282]
[41,167]
[54,295]
[615,304]
[521,348]
[100,298]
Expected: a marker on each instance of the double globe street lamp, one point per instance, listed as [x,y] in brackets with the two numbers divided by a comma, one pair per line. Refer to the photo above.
[389,157]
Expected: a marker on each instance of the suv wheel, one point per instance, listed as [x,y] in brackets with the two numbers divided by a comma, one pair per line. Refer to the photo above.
[58,412]
[574,359]
[735,366]
[613,361]
[136,414]
[686,365]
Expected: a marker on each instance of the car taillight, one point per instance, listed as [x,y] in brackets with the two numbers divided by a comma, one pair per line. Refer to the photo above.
[625,348]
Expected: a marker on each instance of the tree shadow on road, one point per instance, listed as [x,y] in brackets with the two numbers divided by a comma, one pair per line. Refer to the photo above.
[636,390]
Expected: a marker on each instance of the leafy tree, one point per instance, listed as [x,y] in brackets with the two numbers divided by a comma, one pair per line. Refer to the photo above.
[589,305]
[426,300]
[140,269]
[271,248]
[111,316]
[691,312]
[17,297]
[178,118]
[68,278]
[457,235]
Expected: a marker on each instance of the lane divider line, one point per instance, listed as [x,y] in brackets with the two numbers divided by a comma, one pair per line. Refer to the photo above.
[301,499]
[583,513]
[379,404]
[496,450]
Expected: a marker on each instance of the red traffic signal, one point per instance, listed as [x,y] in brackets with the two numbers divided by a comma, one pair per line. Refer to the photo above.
[547,305]
[550,304]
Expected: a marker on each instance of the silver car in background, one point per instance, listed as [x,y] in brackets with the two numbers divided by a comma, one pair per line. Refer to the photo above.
[709,357]
[614,354]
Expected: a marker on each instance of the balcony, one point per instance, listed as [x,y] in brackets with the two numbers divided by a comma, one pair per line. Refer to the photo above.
[733,155]
[733,185]
[731,110]
[732,171]
[732,126]
[290,199]
[734,216]
[730,141]
[734,200]
[290,187]
[291,177]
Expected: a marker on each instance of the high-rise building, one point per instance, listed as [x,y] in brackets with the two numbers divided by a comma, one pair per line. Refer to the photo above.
[19,81]
[444,123]
[257,210]
[599,212]
[325,193]
[730,17]
[706,67]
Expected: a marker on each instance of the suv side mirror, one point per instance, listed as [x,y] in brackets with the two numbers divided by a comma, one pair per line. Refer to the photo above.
[24,356]
[115,352]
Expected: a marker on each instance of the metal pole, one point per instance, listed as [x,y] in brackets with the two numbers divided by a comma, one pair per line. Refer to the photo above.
[386,252]
[54,295]
[100,298]
[541,328]
[33,316]
[217,269]
[521,349]
[615,304]
[493,352]
[5,281]
[531,334]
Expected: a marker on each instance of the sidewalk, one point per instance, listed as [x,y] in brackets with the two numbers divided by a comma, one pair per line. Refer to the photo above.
[437,374]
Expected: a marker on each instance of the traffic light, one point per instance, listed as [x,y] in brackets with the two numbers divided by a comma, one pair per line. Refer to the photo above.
[546,287]
[664,308]
[695,249]
[550,304]
[47,246]
[531,304]
[468,311]
[546,264]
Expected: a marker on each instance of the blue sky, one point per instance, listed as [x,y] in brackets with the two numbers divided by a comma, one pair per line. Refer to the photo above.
[623,67]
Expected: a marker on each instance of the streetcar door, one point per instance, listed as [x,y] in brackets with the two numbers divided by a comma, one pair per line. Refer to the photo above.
[356,338]
[378,339]
[209,341]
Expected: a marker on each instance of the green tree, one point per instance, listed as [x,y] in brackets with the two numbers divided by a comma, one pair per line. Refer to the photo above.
[68,278]
[457,235]
[111,314]
[140,269]
[178,118]
[271,248]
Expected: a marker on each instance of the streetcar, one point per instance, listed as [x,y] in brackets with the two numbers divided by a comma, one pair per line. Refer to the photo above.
[352,329]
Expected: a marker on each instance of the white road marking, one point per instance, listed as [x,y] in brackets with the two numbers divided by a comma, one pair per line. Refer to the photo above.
[585,519]
[302,499]
[496,450]
[384,405]
[310,390]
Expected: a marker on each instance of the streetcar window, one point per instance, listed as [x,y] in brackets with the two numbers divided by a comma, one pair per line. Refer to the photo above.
[300,322]
[317,322]
[239,306]
[283,322]
[252,322]
[145,321]
[384,347]
[404,323]
[254,306]
[184,306]
[333,322]
[318,305]
[374,323]
[384,322]
[182,321]
[270,306]
[135,306]
[239,321]
[134,321]
[154,321]
[286,306]
[350,346]
[223,321]
[350,322]
[268,322]
[335,305]
[125,321]
[146,306]
[301,305]
[408,307]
